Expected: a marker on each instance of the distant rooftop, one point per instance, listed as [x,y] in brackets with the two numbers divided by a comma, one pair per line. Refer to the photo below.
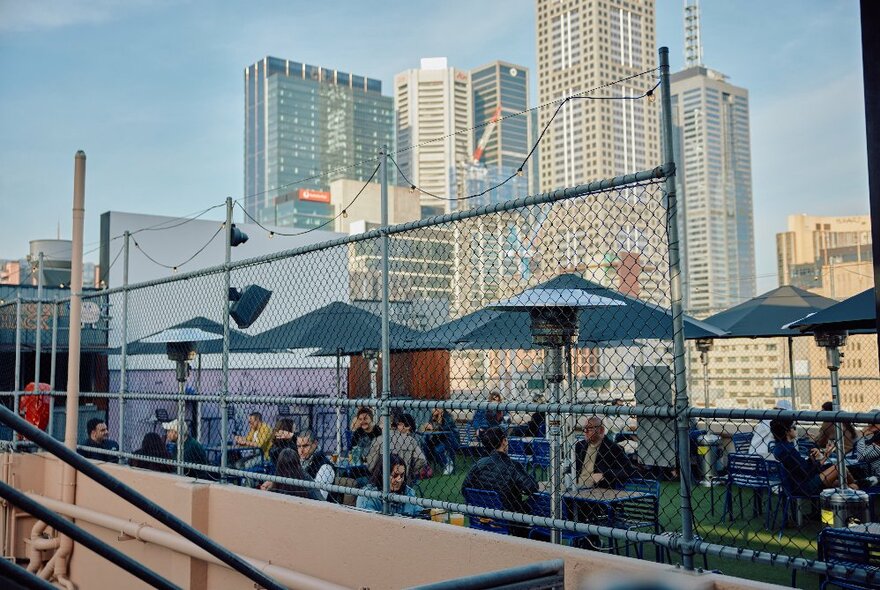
[271,66]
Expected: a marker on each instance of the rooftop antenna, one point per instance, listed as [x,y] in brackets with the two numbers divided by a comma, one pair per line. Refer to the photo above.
[693,46]
[58,234]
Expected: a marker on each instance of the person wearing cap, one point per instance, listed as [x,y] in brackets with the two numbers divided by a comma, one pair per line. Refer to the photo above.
[497,472]
[762,437]
[193,451]
[868,448]
[404,444]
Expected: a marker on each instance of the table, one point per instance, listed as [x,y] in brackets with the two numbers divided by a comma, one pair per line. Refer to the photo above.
[345,468]
[233,453]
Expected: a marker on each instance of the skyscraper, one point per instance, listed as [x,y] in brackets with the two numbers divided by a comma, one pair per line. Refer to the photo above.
[584,44]
[714,182]
[434,113]
[301,121]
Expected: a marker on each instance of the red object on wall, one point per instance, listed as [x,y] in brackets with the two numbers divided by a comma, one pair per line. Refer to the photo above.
[35,408]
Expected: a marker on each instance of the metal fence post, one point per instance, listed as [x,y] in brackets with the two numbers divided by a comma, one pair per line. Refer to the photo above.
[681,395]
[38,328]
[52,364]
[17,387]
[224,367]
[123,367]
[386,342]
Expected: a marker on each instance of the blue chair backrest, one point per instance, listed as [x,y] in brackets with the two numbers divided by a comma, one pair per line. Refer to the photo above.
[852,550]
[742,441]
[646,486]
[541,452]
[516,449]
[483,498]
[748,471]
[540,505]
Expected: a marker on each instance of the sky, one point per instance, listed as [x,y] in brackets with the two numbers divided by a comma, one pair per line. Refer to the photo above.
[152,91]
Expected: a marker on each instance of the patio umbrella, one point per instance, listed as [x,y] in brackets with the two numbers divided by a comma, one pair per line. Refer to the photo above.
[765,316]
[154,343]
[337,329]
[856,313]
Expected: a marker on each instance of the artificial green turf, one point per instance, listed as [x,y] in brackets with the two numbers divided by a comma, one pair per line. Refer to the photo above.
[745,530]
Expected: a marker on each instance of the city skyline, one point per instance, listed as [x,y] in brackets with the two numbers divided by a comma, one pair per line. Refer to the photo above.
[163,133]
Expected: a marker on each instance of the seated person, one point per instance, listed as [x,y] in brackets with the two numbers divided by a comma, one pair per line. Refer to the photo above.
[807,477]
[535,426]
[314,461]
[153,446]
[762,437]
[289,466]
[485,419]
[441,447]
[364,431]
[868,450]
[99,438]
[827,438]
[283,437]
[600,463]
[258,436]
[397,485]
[499,473]
[404,444]
[193,451]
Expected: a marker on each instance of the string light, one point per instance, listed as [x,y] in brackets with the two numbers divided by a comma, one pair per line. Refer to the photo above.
[412,188]
[271,235]
[651,96]
[174,270]
[519,171]
[344,214]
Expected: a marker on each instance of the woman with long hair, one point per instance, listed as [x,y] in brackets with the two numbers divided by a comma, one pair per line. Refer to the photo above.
[283,437]
[153,446]
[289,466]
[397,486]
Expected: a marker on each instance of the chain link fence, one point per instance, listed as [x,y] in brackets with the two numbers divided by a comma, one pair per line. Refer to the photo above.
[530,386]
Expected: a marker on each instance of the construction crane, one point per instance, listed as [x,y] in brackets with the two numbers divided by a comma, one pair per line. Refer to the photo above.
[487,134]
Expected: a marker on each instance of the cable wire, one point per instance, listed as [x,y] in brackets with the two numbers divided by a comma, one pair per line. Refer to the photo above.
[176,267]
[343,213]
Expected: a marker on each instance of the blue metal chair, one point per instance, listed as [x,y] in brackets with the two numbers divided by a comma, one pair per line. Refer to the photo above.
[851,550]
[742,441]
[640,513]
[485,499]
[540,505]
[749,472]
[787,495]
[540,454]
[516,450]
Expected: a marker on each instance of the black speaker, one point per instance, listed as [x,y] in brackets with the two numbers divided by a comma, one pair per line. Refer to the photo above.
[250,305]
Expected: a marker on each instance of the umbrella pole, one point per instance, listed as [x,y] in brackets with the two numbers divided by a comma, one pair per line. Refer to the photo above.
[338,408]
[794,404]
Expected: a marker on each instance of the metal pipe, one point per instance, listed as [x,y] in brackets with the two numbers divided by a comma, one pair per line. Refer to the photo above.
[514,577]
[17,387]
[123,364]
[35,558]
[182,431]
[681,394]
[84,538]
[134,497]
[870,18]
[386,338]
[338,408]
[224,362]
[38,328]
[555,435]
[832,354]
[794,404]
[148,534]
[53,360]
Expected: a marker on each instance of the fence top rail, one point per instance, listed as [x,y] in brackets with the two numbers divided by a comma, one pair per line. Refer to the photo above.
[581,190]
[806,415]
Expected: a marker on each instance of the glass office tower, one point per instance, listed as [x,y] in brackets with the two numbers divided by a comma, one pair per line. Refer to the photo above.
[305,121]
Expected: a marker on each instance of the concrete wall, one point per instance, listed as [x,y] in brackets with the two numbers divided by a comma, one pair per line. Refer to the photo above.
[336,544]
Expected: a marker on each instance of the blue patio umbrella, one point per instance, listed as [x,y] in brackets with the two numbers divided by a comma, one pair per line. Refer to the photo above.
[155,343]
[858,313]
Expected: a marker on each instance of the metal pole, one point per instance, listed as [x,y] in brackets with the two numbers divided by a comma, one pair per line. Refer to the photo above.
[71,426]
[52,362]
[681,394]
[832,355]
[338,408]
[555,435]
[17,387]
[39,324]
[704,360]
[181,417]
[386,340]
[123,367]
[794,404]
[224,367]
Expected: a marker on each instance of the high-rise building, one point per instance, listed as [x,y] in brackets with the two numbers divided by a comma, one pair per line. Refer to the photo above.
[714,182]
[584,44]
[434,113]
[830,256]
[302,121]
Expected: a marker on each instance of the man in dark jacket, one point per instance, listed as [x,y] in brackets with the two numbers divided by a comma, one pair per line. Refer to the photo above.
[499,473]
[99,438]
[600,463]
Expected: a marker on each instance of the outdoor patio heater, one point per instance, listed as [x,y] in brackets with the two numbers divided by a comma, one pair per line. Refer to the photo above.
[554,315]
[843,504]
[181,345]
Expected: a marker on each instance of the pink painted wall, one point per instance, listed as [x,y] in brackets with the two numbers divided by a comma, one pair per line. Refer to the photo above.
[333,543]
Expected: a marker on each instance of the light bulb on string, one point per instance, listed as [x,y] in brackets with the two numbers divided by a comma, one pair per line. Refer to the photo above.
[174,270]
[412,188]
[271,235]
[651,96]
[519,172]
[344,214]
